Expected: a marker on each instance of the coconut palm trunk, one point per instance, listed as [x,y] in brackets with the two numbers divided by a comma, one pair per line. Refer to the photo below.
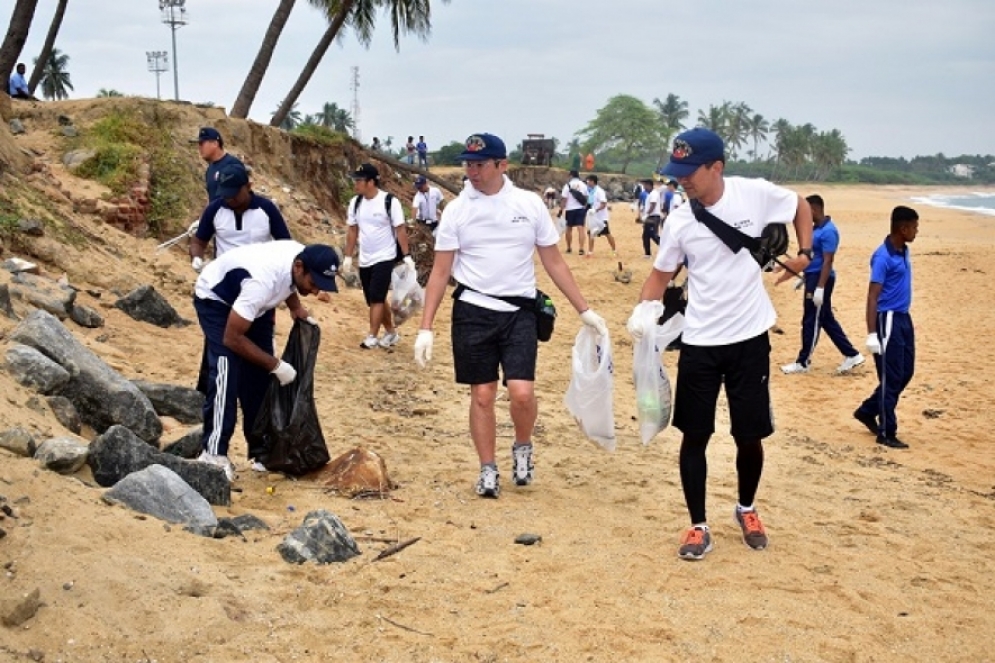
[46,49]
[255,78]
[17,34]
[312,64]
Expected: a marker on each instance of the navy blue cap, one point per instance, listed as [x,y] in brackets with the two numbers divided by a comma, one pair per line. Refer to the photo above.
[322,264]
[231,178]
[480,147]
[208,133]
[692,149]
[366,171]
[420,180]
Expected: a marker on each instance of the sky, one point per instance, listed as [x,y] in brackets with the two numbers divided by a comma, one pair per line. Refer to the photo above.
[897,78]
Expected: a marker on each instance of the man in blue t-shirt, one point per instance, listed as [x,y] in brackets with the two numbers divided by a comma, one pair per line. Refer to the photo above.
[17,87]
[891,336]
[422,149]
[211,146]
[820,279]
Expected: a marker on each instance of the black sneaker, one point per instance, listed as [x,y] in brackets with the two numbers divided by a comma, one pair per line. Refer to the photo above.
[892,442]
[869,420]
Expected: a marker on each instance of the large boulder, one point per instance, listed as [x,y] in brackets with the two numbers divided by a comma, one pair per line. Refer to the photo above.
[170,400]
[163,494]
[321,538]
[32,369]
[146,305]
[43,293]
[101,395]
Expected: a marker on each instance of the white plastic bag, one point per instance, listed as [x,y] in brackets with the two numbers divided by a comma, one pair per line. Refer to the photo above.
[561,224]
[406,296]
[653,393]
[594,224]
[592,383]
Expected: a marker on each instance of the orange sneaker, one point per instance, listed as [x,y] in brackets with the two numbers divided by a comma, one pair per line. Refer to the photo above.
[695,543]
[754,534]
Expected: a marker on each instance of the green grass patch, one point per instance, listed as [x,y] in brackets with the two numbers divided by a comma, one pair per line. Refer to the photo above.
[320,134]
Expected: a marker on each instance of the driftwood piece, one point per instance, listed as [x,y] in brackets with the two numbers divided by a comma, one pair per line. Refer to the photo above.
[396,548]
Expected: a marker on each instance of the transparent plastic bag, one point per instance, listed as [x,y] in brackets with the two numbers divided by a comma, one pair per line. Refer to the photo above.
[653,393]
[594,224]
[406,296]
[592,383]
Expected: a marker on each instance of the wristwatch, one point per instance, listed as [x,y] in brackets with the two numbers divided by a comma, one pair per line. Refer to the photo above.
[805,252]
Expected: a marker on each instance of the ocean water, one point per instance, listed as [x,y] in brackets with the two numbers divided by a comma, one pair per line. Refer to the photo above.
[981,202]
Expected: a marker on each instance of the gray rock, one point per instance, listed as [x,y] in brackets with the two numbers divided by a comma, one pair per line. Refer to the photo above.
[18,441]
[146,305]
[247,522]
[32,227]
[16,611]
[322,538]
[16,126]
[64,120]
[169,400]
[84,316]
[6,307]
[66,413]
[119,452]
[75,158]
[32,369]
[188,446]
[102,396]
[162,493]
[43,293]
[64,455]
[69,132]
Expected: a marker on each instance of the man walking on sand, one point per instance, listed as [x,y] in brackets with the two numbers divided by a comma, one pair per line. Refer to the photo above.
[726,322]
[573,204]
[820,279]
[486,241]
[890,334]
[599,208]
[376,221]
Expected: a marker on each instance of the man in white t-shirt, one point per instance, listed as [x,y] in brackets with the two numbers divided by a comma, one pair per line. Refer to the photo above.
[427,203]
[486,241]
[650,216]
[573,205]
[599,208]
[381,235]
[726,322]
[234,298]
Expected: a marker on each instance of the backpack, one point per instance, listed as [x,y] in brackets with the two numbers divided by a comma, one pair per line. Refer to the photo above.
[579,196]
[388,201]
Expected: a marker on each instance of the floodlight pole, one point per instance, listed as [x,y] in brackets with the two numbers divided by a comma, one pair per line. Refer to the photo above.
[174,21]
[158,63]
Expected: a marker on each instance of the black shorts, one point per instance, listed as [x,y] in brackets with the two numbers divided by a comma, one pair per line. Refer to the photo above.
[484,339]
[604,231]
[745,369]
[376,281]
[576,217]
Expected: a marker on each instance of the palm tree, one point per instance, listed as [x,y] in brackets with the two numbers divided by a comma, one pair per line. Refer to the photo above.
[17,34]
[255,78]
[335,118]
[104,92]
[291,119]
[46,49]
[406,17]
[54,77]
[673,111]
[757,128]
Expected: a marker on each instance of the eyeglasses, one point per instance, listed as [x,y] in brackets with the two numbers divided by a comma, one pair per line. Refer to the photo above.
[479,165]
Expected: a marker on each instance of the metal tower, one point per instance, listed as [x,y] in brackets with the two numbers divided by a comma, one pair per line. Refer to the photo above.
[354,86]
[174,14]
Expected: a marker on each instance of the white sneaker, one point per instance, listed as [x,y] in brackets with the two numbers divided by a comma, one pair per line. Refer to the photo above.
[850,363]
[369,342]
[390,339]
[218,461]
[794,367]
[258,467]
[488,483]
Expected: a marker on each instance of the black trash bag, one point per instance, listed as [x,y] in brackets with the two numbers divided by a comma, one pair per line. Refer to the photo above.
[287,427]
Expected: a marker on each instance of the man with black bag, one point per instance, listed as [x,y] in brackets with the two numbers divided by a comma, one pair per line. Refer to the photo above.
[728,314]
[486,241]
[233,297]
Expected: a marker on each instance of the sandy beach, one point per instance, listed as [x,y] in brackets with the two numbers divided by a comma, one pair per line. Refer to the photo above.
[875,554]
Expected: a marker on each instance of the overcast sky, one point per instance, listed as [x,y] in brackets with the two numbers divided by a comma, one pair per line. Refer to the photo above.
[896,77]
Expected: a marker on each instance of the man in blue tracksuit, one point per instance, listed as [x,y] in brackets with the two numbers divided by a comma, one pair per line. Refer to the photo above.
[891,336]
[820,278]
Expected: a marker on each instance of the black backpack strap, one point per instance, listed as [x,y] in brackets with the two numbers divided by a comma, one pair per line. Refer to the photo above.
[735,239]
[355,204]
[526,303]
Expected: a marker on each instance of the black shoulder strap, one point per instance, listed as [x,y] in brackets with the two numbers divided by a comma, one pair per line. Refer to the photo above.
[355,204]
[734,238]
[387,202]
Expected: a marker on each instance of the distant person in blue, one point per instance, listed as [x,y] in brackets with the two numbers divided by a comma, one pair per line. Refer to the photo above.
[211,146]
[422,148]
[891,336]
[17,87]
[820,279]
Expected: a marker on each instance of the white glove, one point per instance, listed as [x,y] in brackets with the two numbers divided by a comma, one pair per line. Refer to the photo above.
[410,262]
[197,263]
[423,347]
[818,296]
[192,230]
[347,264]
[635,324]
[592,319]
[873,344]
[285,373]
[311,321]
